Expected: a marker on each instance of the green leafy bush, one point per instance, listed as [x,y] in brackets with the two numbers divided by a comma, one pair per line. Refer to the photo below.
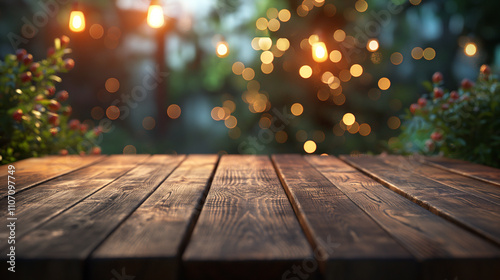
[463,124]
[34,119]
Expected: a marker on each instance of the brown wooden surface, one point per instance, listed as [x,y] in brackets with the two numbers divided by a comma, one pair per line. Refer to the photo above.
[252,217]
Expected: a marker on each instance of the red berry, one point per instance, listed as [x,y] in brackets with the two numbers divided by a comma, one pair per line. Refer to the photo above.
[67,111]
[50,91]
[54,106]
[438,93]
[63,152]
[445,106]
[53,131]
[27,59]
[53,119]
[96,151]
[437,77]
[34,67]
[26,77]
[485,70]
[17,115]
[414,107]
[62,95]
[422,101]
[20,53]
[74,124]
[454,95]
[467,84]
[84,128]
[51,51]
[69,64]
[64,40]
[436,136]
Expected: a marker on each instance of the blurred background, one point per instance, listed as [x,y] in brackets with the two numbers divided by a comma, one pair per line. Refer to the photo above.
[254,76]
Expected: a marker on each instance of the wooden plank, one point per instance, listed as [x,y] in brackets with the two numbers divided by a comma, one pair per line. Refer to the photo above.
[364,250]
[34,171]
[479,188]
[148,244]
[58,248]
[445,250]
[464,209]
[247,228]
[474,170]
[37,205]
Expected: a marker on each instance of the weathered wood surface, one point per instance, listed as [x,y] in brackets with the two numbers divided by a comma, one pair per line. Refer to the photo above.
[252,217]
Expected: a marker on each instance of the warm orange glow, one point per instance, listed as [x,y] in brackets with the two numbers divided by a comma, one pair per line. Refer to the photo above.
[222,49]
[309,146]
[319,52]
[305,71]
[174,111]
[349,119]
[155,16]
[372,45]
[470,49]
[77,21]
[356,70]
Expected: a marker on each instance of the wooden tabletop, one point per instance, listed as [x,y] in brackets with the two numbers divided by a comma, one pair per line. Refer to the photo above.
[250,217]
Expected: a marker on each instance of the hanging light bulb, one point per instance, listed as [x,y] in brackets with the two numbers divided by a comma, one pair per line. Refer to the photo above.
[76,19]
[155,14]
[319,52]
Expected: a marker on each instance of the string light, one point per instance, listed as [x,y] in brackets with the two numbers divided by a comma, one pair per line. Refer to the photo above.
[155,14]
[222,49]
[319,52]
[76,19]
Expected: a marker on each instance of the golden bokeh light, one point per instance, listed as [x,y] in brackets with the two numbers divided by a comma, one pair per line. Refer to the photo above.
[265,122]
[327,77]
[96,31]
[356,70]
[396,58]
[365,129]
[265,43]
[297,109]
[361,6]
[415,2]
[281,136]
[267,68]
[231,122]
[429,53]
[283,44]
[148,123]
[319,52]
[339,35]
[129,150]
[284,15]
[335,56]
[174,111]
[348,119]
[112,112]
[238,67]
[310,146]
[345,75]
[272,13]
[261,23]
[229,104]
[305,71]
[417,53]
[274,25]
[267,57]
[354,128]
[372,45]
[77,21]
[384,83]
[222,49]
[217,113]
[470,49]
[156,18]
[393,122]
[248,74]
[112,85]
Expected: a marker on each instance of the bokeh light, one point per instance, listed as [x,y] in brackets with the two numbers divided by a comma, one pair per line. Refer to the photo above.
[310,146]
[349,119]
[470,49]
[297,109]
[112,112]
[148,123]
[305,71]
[356,70]
[384,83]
[174,111]
[112,85]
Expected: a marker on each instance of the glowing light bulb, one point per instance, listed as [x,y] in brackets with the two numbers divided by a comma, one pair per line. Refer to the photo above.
[319,52]
[77,21]
[222,49]
[470,49]
[155,15]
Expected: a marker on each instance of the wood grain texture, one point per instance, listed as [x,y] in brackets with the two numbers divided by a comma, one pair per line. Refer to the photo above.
[33,171]
[37,205]
[363,249]
[445,250]
[148,244]
[479,188]
[466,210]
[474,170]
[57,249]
[247,228]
